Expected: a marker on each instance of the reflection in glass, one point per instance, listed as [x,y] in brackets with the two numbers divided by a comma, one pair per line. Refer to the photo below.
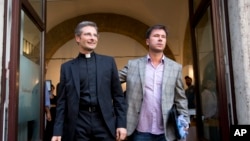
[196,4]
[29,87]
[208,93]
[37,5]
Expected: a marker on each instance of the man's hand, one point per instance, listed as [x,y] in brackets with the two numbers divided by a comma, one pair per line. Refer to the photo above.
[56,138]
[48,115]
[121,134]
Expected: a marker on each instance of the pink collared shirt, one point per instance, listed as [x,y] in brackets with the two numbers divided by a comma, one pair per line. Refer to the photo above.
[150,119]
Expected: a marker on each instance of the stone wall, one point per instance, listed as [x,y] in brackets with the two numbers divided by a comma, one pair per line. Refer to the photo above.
[239,22]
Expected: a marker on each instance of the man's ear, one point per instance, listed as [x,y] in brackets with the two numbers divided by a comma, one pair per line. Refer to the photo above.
[77,38]
[147,42]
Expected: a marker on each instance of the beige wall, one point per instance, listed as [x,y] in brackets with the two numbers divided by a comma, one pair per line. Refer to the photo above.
[121,47]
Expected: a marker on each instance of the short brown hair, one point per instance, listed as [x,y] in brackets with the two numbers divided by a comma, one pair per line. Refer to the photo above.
[157,26]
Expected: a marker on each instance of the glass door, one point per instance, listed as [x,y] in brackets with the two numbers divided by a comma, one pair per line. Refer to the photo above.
[207,78]
[29,81]
[209,48]
[26,85]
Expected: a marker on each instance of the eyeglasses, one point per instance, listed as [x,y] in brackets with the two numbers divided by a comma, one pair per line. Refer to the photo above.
[90,35]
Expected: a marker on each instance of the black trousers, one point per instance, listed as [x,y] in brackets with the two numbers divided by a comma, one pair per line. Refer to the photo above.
[50,125]
[91,127]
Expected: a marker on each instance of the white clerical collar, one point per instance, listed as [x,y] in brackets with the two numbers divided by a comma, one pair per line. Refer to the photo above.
[87,55]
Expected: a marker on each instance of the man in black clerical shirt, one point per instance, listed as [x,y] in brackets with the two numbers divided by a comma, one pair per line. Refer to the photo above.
[91,105]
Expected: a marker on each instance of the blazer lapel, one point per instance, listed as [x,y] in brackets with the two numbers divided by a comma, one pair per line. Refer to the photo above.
[142,70]
[166,73]
[75,74]
[166,101]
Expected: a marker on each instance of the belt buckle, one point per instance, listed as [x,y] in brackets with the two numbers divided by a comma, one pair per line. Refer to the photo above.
[92,109]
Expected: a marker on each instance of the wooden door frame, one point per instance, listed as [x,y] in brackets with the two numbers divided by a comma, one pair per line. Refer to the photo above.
[14,72]
[218,37]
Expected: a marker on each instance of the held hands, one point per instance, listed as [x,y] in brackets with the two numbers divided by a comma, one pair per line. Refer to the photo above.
[121,134]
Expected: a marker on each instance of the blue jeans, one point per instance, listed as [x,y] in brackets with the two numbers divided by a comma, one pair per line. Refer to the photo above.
[140,136]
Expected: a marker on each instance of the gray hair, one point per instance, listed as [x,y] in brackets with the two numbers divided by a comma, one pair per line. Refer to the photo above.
[78,29]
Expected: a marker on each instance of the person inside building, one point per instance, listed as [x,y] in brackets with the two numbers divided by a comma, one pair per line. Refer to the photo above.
[190,92]
[50,123]
[210,109]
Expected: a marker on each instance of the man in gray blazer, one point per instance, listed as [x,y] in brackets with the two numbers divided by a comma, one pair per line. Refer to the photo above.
[153,85]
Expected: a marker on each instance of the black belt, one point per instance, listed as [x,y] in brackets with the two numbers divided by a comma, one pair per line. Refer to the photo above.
[89,108]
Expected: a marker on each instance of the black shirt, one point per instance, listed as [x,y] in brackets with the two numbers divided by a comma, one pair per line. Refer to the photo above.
[88,95]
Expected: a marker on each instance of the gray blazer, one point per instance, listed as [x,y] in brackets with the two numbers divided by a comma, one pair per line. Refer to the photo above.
[172,92]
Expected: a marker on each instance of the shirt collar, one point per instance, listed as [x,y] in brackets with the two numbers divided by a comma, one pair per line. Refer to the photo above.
[84,55]
[162,59]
